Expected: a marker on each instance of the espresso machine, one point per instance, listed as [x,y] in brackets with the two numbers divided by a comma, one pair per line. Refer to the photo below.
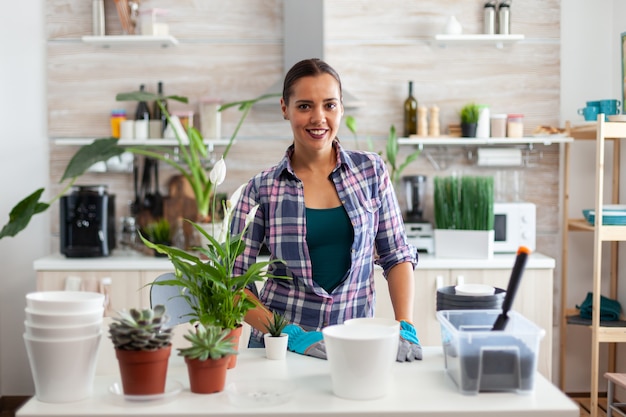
[419,232]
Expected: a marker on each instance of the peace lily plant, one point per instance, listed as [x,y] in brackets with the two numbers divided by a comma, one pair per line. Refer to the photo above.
[193,152]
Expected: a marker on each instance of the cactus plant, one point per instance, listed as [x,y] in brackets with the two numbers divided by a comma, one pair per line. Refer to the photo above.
[276,325]
[208,342]
[141,330]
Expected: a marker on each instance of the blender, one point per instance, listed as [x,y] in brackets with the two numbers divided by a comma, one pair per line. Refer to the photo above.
[419,232]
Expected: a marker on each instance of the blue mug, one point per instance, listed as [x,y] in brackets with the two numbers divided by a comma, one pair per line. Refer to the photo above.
[590,113]
[610,107]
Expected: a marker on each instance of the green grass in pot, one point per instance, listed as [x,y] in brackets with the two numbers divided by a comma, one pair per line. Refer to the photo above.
[470,113]
[158,231]
[464,203]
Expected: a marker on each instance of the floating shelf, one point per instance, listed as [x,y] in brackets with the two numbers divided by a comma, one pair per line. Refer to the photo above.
[134,142]
[457,141]
[131,40]
[498,40]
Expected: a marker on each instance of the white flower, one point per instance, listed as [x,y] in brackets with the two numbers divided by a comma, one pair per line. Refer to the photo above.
[218,173]
[250,215]
[234,198]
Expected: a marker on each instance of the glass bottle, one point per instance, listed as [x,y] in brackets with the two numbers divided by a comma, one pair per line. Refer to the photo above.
[157,114]
[504,19]
[489,18]
[410,113]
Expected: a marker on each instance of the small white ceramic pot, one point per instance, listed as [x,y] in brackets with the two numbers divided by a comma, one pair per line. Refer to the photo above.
[275,346]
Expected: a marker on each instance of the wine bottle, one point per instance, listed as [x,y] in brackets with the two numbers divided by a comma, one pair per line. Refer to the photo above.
[143,111]
[410,113]
[158,114]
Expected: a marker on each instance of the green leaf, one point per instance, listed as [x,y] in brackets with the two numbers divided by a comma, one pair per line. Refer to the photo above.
[351,124]
[147,96]
[97,151]
[20,215]
[247,103]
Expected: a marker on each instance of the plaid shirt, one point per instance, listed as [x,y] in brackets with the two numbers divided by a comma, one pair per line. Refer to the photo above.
[363,185]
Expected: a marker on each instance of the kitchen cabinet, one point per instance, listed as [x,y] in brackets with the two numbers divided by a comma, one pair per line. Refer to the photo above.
[533,299]
[601,132]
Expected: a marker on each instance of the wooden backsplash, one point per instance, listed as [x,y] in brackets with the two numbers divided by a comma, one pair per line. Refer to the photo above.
[233,50]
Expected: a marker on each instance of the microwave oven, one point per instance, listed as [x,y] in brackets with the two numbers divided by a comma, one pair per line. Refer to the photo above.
[514,226]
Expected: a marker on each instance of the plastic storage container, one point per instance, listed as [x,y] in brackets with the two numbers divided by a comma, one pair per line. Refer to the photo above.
[480,360]
[515,125]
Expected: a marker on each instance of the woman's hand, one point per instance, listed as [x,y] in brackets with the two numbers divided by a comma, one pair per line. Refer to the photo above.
[409,347]
[305,343]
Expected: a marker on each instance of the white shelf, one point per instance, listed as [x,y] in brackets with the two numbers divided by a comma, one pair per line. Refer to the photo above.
[480,39]
[131,40]
[458,141]
[134,142]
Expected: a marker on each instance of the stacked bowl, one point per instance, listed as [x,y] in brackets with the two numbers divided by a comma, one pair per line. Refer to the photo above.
[63,332]
[470,297]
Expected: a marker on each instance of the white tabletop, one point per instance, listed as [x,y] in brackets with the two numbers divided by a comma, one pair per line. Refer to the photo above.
[419,388]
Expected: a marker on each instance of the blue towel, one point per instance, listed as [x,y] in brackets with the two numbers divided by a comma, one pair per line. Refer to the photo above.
[609,309]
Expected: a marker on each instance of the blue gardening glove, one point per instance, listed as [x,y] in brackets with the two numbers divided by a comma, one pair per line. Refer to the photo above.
[305,343]
[409,347]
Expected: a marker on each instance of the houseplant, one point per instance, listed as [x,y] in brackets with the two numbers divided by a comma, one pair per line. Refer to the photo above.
[206,279]
[142,345]
[464,217]
[275,340]
[469,120]
[158,232]
[207,358]
[191,167]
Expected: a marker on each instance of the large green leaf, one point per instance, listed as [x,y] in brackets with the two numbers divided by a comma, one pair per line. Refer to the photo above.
[22,213]
[146,96]
[97,151]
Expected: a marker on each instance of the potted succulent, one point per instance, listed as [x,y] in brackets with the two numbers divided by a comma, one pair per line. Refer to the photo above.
[469,120]
[463,217]
[215,294]
[207,358]
[275,340]
[142,343]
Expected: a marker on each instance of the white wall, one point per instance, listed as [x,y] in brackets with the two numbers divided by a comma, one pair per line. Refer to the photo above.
[590,70]
[23,168]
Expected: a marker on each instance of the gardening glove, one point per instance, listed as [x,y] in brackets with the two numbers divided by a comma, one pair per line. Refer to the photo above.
[305,343]
[409,347]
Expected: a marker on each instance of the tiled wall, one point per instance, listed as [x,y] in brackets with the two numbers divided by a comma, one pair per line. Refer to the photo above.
[233,50]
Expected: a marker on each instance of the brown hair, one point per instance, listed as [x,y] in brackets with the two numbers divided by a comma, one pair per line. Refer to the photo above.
[307,68]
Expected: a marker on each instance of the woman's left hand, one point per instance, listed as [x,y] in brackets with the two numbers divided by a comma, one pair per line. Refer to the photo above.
[409,348]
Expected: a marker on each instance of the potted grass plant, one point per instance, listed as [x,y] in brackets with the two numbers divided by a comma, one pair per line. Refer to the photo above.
[207,358]
[158,232]
[275,340]
[469,120]
[464,217]
[142,343]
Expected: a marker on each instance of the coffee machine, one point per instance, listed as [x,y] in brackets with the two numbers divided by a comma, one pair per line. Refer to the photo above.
[87,222]
[419,232]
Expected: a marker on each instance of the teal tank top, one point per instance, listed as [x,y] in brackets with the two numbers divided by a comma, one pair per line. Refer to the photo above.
[329,236]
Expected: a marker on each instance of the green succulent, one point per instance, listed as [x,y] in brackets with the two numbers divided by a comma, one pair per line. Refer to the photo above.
[141,330]
[208,342]
[276,325]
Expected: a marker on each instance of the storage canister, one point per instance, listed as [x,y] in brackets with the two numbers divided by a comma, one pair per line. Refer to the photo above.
[498,125]
[515,125]
[210,118]
[117,117]
[482,127]
[489,18]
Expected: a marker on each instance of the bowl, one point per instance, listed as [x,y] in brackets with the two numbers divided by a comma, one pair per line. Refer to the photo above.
[380,321]
[38,318]
[474,290]
[63,370]
[62,332]
[64,301]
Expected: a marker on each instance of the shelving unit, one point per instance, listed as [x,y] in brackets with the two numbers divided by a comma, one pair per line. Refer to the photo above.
[476,39]
[131,40]
[135,142]
[458,141]
[601,132]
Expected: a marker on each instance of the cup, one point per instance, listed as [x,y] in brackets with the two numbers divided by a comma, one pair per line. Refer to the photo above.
[361,357]
[610,107]
[590,113]
[141,129]
[127,129]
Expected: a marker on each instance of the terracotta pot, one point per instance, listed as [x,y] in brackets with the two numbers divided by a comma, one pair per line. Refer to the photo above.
[235,335]
[209,376]
[143,372]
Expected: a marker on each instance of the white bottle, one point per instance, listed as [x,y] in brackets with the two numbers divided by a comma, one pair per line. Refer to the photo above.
[482,128]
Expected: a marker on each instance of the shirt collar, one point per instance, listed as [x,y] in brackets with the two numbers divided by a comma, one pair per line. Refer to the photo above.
[284,166]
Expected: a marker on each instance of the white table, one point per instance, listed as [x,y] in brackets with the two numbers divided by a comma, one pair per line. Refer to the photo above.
[419,389]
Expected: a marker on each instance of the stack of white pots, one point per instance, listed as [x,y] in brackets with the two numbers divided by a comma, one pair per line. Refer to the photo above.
[63,332]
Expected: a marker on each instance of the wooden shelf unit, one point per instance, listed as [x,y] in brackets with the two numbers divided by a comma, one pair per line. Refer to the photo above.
[600,131]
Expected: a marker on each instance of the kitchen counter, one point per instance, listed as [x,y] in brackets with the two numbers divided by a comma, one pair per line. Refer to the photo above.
[131,261]
[419,388]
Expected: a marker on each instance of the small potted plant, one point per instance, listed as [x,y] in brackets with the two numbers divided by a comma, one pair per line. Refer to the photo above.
[143,345]
[158,232]
[207,358]
[469,120]
[275,340]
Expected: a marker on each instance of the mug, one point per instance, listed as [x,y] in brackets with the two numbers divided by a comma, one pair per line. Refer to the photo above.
[590,113]
[610,107]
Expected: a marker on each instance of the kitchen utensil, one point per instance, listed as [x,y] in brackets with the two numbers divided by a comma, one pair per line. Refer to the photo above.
[511,289]
[134,206]
[146,185]
[157,202]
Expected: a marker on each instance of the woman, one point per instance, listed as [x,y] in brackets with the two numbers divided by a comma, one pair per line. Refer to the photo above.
[330,214]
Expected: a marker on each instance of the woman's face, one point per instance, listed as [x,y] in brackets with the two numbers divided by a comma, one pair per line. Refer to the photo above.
[314,111]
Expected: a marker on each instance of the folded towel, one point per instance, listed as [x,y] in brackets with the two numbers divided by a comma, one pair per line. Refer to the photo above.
[609,309]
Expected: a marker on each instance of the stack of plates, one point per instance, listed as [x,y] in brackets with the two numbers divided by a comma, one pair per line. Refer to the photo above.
[612,215]
[447,299]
